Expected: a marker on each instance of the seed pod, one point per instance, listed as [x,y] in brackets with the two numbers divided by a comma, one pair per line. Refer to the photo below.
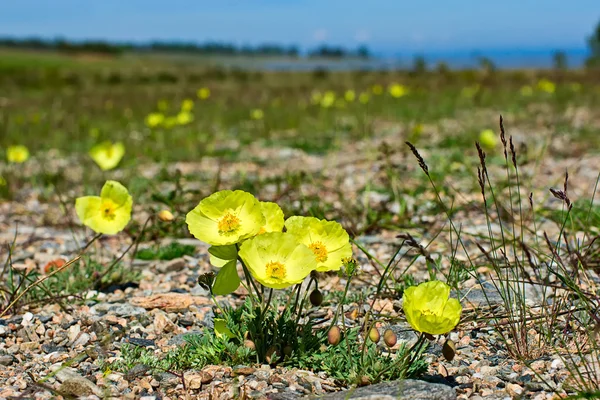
[390,338]
[287,350]
[449,350]
[334,336]
[429,336]
[165,216]
[249,344]
[374,335]
[316,298]
[364,381]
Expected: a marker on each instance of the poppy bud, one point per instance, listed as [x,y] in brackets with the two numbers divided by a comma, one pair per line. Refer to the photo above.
[374,335]
[249,344]
[287,351]
[165,216]
[390,338]
[316,298]
[334,336]
[449,350]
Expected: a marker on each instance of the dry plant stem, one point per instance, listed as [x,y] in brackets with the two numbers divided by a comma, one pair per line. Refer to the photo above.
[118,259]
[54,272]
[37,282]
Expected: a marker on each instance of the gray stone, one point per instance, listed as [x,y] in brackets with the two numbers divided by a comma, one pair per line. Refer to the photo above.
[6,360]
[403,389]
[174,265]
[80,387]
[120,309]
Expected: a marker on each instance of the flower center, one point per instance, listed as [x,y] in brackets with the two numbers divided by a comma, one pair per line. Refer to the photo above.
[262,230]
[427,311]
[320,251]
[108,210]
[228,223]
[275,270]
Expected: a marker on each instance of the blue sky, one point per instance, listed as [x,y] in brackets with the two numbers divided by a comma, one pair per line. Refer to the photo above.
[391,26]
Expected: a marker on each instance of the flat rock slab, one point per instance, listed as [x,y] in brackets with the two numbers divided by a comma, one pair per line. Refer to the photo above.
[403,389]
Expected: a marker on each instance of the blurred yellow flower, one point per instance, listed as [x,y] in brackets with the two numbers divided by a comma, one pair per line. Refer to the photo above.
[154,119]
[109,213]
[364,97]
[350,96]
[184,117]
[488,139]
[257,114]
[107,155]
[203,93]
[546,86]
[377,89]
[277,260]
[226,217]
[429,310]
[396,90]
[328,240]
[328,99]
[17,154]
[187,105]
[526,91]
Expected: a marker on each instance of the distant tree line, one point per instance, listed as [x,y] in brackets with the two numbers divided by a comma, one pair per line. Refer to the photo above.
[207,48]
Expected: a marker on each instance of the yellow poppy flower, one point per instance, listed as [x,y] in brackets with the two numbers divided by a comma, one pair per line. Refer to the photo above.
[257,114]
[428,308]
[109,213]
[349,96]
[226,217]
[526,91]
[184,118]
[107,155]
[277,260]
[328,99]
[273,216]
[154,119]
[328,240]
[203,93]
[187,105]
[488,139]
[364,97]
[396,90]
[17,154]
[546,86]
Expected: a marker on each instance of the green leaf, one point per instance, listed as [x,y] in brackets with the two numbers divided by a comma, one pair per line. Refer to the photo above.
[221,328]
[227,280]
[221,255]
